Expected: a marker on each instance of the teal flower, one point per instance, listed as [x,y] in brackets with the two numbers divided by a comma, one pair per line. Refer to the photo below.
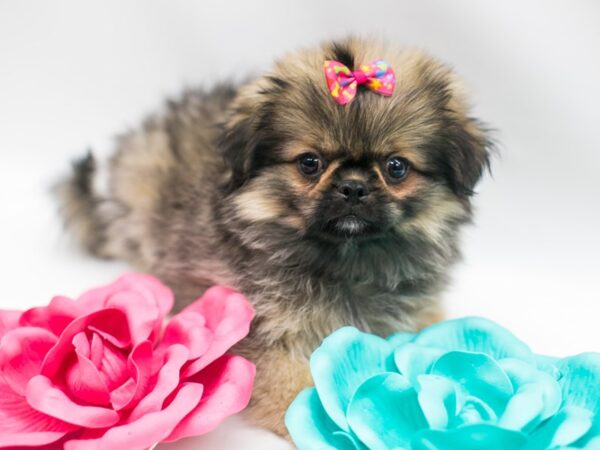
[465,384]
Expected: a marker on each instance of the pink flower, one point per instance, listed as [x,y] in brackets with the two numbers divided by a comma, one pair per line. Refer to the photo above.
[103,372]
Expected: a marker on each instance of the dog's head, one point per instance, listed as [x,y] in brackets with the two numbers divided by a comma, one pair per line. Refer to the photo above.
[379,166]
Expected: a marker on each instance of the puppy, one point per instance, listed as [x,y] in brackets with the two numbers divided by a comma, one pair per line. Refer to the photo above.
[322,214]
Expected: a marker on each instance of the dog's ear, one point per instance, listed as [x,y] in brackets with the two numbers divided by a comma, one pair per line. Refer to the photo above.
[237,140]
[236,144]
[246,136]
[467,150]
[461,145]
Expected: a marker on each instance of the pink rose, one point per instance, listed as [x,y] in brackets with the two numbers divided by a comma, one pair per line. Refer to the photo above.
[104,372]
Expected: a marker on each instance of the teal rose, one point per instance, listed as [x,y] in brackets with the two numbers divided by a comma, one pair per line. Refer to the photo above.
[465,384]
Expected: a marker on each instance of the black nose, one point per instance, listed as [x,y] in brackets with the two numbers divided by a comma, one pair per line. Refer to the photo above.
[352,190]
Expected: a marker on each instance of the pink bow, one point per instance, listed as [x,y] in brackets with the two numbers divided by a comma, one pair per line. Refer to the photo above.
[342,82]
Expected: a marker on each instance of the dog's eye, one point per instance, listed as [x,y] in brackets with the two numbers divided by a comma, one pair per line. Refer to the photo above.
[310,164]
[397,168]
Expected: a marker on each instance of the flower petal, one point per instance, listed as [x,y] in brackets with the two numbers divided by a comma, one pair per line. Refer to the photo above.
[413,360]
[478,376]
[83,379]
[59,313]
[22,351]
[343,362]
[142,314]
[8,320]
[144,300]
[148,286]
[22,425]
[140,368]
[385,412]
[401,338]
[311,428]
[593,444]
[474,334]
[122,395]
[564,428]
[227,389]
[522,374]
[46,398]
[525,409]
[149,429]
[228,315]
[437,397]
[580,380]
[111,363]
[188,329]
[470,437]
[166,382]
[548,364]
[472,410]
[109,323]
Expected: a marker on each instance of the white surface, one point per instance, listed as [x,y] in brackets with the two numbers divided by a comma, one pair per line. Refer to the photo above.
[72,74]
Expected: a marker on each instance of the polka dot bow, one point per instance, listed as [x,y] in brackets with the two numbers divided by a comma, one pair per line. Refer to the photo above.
[343,82]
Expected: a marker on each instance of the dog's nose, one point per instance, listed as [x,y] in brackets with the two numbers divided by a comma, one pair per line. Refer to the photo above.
[353,191]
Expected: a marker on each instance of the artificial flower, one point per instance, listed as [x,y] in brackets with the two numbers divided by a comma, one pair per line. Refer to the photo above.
[465,384]
[108,371]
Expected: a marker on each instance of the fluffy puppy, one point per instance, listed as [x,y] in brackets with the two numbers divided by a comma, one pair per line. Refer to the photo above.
[323,215]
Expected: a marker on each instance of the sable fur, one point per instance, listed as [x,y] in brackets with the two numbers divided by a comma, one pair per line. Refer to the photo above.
[208,191]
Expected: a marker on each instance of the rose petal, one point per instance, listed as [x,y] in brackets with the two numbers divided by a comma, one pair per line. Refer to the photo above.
[110,362]
[311,428]
[22,351]
[522,374]
[593,444]
[84,382]
[112,365]
[343,362]
[346,440]
[413,360]
[524,410]
[478,376]
[59,313]
[147,430]
[166,382]
[8,320]
[152,299]
[548,364]
[581,380]
[228,315]
[110,323]
[385,412]
[474,334]
[227,390]
[142,313]
[46,398]
[579,383]
[472,410]
[140,367]
[437,397]
[22,425]
[401,338]
[564,428]
[470,437]
[189,330]
[96,349]
[121,396]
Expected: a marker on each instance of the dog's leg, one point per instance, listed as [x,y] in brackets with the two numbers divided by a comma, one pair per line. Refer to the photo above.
[279,378]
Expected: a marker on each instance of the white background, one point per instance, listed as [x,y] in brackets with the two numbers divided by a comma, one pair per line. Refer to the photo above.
[74,73]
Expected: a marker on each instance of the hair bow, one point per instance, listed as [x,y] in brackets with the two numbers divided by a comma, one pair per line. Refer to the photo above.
[342,82]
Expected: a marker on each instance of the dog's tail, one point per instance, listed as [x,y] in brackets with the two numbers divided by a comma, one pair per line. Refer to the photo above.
[83,210]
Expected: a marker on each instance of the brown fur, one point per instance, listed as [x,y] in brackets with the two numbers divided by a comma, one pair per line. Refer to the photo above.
[209,191]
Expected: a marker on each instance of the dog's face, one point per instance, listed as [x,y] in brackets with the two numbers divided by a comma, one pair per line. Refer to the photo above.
[379,166]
